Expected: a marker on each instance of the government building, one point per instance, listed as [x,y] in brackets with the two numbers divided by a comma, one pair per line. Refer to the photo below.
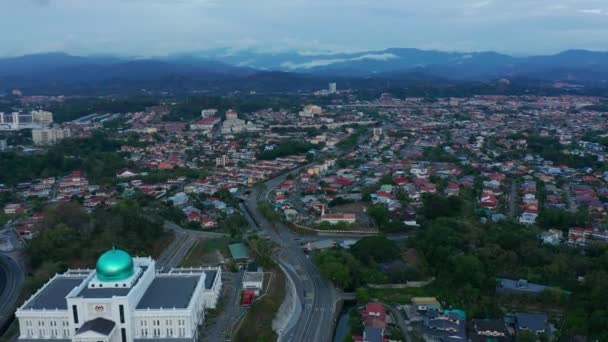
[124,299]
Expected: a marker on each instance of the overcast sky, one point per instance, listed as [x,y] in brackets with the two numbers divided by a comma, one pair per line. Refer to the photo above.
[158,27]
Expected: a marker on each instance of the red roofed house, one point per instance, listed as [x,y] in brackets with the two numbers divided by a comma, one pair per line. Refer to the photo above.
[207,222]
[374,315]
[194,217]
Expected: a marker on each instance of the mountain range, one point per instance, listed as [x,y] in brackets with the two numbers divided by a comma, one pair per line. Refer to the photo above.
[221,66]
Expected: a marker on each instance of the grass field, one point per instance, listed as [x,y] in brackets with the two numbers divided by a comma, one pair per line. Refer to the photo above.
[398,296]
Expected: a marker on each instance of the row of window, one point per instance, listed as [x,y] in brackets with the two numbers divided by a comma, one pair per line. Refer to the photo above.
[30,323]
[156,332]
[52,333]
[156,322]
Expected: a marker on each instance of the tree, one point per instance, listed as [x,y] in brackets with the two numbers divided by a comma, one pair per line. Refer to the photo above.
[375,249]
[526,336]
[435,206]
[362,295]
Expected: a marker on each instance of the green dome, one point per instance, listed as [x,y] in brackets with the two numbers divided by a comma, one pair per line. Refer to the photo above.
[114,265]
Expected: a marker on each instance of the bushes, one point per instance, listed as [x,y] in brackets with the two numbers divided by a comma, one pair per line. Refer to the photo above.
[71,237]
[375,249]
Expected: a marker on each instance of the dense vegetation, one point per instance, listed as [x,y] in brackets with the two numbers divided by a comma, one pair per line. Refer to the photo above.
[287,148]
[438,154]
[78,107]
[466,256]
[352,140]
[70,237]
[97,156]
[385,224]
[562,219]
[550,149]
[372,260]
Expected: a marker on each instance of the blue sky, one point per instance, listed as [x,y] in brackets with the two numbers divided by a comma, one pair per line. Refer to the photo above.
[160,27]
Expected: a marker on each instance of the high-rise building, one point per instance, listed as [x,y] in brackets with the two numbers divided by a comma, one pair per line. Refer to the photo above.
[332,88]
[16,120]
[50,136]
[42,116]
[123,299]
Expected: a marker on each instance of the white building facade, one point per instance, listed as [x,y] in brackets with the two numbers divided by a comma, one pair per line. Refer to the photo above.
[124,299]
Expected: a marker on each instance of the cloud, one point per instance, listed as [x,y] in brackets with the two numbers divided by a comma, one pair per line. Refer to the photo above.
[325,62]
[41,2]
[314,27]
[597,11]
[481,4]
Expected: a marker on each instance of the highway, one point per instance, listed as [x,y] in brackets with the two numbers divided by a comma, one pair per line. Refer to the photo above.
[11,279]
[316,295]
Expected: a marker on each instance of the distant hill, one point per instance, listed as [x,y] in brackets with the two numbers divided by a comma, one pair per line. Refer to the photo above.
[291,71]
[569,65]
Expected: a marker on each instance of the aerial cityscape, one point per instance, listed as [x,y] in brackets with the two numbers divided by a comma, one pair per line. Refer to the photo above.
[224,179]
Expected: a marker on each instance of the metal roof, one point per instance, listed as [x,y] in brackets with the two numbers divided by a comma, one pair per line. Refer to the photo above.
[239,251]
[53,295]
[99,325]
[169,292]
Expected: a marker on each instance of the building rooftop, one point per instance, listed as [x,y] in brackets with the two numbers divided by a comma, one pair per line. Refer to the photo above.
[253,277]
[109,292]
[209,279]
[99,325]
[169,292]
[239,251]
[53,295]
[521,285]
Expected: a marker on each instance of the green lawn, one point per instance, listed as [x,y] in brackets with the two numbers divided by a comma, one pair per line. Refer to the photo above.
[399,296]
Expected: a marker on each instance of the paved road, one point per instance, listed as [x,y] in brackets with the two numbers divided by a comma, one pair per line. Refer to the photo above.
[11,279]
[571,201]
[404,327]
[513,199]
[315,295]
[220,328]
[184,240]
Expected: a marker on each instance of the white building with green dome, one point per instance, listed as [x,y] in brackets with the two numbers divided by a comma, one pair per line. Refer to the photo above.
[123,299]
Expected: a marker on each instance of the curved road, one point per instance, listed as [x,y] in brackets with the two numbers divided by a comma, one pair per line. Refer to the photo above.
[316,295]
[11,278]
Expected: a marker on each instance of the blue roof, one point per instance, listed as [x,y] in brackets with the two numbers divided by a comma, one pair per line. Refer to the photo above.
[373,334]
[239,251]
[533,322]
[518,286]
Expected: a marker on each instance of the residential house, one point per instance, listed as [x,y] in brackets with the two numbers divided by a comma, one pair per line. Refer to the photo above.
[551,237]
[447,325]
[518,287]
[535,323]
[484,330]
